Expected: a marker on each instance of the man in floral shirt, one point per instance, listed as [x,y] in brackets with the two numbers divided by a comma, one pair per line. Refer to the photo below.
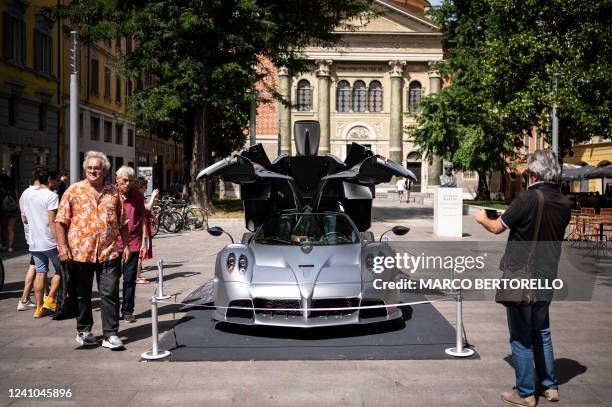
[91,218]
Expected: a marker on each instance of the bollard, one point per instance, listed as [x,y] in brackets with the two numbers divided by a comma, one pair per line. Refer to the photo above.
[160,281]
[459,351]
[155,352]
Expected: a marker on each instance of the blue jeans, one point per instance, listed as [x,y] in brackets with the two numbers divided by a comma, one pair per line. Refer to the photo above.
[531,344]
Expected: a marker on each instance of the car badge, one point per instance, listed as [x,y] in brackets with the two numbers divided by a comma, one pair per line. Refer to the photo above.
[306,248]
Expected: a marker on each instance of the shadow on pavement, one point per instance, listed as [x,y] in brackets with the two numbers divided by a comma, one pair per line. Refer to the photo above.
[566,369]
[140,332]
[163,310]
[393,214]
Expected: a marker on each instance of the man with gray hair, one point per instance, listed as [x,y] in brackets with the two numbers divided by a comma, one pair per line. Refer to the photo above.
[91,218]
[136,243]
[528,323]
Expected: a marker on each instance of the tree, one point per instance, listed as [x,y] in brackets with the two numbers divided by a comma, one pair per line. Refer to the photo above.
[202,56]
[458,123]
[501,58]
[533,39]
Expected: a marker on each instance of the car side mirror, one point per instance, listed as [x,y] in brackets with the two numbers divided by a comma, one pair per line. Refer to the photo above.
[397,230]
[218,231]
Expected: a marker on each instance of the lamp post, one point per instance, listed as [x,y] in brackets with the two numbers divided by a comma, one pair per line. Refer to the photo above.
[555,119]
[74,107]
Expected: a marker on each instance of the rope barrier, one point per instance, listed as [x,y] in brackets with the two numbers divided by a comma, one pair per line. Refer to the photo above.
[403,304]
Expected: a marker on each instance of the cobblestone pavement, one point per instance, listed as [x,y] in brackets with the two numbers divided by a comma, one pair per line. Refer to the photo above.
[42,353]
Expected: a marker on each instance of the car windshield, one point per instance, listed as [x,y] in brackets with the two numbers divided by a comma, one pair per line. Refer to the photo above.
[317,229]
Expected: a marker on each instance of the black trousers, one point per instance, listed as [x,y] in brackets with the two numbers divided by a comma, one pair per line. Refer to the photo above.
[128,269]
[107,277]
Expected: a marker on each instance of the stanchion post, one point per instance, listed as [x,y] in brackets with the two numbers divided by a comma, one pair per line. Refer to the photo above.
[155,352]
[160,281]
[459,350]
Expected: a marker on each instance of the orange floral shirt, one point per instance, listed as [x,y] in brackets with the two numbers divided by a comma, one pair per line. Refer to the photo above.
[93,224]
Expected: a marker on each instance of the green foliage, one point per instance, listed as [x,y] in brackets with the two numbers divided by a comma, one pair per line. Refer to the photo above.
[204,53]
[530,41]
[501,58]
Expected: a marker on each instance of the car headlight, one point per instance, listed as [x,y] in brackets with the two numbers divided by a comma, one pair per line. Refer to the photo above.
[370,262]
[231,262]
[242,264]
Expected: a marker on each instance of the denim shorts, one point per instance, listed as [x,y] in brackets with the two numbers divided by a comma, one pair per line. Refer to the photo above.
[41,261]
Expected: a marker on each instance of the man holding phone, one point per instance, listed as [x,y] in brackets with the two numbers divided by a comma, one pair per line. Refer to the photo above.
[530,337]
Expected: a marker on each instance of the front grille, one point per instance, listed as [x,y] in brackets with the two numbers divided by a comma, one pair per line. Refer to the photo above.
[334,303]
[372,312]
[240,313]
[277,303]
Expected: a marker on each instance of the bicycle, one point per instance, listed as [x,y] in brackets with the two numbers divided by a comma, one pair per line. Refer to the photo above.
[164,216]
[192,217]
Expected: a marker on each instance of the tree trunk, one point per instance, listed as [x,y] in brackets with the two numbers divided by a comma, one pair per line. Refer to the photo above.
[200,158]
[483,193]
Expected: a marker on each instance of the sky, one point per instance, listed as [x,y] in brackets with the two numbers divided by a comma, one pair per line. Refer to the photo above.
[435,2]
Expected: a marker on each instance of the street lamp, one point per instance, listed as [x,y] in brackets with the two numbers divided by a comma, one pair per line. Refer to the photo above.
[74,108]
[555,119]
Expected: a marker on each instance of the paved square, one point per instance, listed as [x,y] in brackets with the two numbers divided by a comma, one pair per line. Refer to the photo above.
[43,354]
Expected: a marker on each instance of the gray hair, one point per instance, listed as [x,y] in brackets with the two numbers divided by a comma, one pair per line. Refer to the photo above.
[125,171]
[97,154]
[545,165]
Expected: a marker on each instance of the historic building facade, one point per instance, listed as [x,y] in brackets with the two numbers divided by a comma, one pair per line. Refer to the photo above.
[367,90]
[29,89]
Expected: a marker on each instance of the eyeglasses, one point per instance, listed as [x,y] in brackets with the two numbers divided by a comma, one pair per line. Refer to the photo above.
[94,169]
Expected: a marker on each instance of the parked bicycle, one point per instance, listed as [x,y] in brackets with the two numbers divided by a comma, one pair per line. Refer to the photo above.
[192,217]
[165,217]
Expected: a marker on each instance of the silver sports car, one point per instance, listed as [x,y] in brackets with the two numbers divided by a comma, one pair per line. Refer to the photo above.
[308,258]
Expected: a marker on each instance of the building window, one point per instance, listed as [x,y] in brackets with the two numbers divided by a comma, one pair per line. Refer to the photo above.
[343,97]
[95,66]
[527,143]
[117,89]
[12,110]
[470,175]
[130,138]
[14,38]
[131,164]
[118,162]
[304,96]
[108,132]
[119,134]
[95,129]
[81,158]
[414,96]
[43,52]
[42,117]
[107,82]
[375,97]
[81,124]
[359,96]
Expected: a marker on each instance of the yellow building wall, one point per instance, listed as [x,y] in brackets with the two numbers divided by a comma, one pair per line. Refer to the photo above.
[33,80]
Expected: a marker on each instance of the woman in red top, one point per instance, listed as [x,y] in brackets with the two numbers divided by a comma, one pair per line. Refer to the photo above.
[141,185]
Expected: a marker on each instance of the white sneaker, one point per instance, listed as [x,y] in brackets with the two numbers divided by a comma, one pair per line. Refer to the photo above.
[24,306]
[86,339]
[112,342]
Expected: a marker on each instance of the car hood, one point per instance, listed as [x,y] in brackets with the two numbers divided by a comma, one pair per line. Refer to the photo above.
[283,265]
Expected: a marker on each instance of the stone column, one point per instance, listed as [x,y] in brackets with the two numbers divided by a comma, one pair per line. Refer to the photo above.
[397,128]
[323,91]
[435,164]
[284,88]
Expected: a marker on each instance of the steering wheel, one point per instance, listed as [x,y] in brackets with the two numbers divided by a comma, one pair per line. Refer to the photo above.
[329,234]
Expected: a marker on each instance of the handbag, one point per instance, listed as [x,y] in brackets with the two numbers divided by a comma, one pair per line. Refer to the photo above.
[66,303]
[522,296]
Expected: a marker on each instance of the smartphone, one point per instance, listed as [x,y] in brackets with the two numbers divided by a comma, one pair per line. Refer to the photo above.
[492,213]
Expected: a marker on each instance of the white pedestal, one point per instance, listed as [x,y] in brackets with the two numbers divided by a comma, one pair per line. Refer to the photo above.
[448,212]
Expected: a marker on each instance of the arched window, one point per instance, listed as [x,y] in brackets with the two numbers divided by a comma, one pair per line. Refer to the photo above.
[375,97]
[304,96]
[414,96]
[343,97]
[359,96]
